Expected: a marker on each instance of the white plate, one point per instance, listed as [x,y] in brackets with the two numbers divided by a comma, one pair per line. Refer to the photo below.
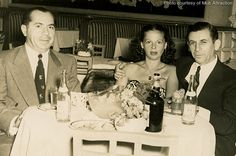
[46,106]
[92,124]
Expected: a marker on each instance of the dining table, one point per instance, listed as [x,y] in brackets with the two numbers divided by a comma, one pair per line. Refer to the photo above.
[40,134]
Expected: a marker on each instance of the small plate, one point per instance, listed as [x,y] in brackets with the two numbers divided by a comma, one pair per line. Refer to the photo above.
[92,124]
[46,106]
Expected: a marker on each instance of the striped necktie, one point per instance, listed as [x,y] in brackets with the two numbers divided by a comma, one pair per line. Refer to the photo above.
[40,80]
[196,78]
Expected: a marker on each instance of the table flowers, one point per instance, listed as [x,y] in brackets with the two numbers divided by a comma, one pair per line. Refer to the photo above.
[135,113]
[121,106]
[84,48]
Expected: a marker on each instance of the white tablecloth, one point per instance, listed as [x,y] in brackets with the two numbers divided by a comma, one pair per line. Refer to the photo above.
[41,135]
[122,47]
[104,63]
[65,39]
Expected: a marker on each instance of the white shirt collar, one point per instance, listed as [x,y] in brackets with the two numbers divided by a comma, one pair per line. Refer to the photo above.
[33,59]
[205,71]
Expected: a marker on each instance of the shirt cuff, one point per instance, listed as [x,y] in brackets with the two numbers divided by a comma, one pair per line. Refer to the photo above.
[13,129]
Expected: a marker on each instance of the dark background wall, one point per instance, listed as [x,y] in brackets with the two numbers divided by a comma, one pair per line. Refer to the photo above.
[176,8]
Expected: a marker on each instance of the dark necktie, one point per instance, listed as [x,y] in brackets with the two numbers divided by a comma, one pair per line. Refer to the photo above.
[40,80]
[196,78]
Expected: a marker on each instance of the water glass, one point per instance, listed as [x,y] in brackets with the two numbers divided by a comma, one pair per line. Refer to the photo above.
[53,96]
[177,106]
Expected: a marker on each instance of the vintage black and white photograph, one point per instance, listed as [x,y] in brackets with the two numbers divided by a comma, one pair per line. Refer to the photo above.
[117,77]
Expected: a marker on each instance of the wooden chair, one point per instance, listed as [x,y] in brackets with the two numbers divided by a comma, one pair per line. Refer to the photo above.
[114,139]
[99,50]
[84,64]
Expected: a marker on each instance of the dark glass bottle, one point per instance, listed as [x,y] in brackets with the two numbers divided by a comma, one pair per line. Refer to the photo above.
[156,108]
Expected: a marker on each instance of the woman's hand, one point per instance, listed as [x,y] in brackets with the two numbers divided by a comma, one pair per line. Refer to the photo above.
[120,76]
[119,73]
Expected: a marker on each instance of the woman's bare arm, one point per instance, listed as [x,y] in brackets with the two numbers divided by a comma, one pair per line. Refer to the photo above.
[172,83]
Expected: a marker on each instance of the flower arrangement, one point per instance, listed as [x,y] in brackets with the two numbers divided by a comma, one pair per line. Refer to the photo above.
[82,45]
[132,104]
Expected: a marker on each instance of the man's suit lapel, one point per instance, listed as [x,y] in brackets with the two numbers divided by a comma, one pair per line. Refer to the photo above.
[22,74]
[54,72]
[214,78]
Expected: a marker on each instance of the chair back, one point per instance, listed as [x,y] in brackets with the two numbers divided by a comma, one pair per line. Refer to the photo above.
[84,64]
[141,143]
[99,51]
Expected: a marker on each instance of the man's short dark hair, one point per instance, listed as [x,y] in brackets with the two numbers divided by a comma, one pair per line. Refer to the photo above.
[201,26]
[27,14]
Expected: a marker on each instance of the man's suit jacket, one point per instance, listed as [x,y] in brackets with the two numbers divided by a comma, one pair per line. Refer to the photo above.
[17,87]
[219,96]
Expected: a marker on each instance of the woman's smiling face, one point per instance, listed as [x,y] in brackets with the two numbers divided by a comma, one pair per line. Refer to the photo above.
[154,44]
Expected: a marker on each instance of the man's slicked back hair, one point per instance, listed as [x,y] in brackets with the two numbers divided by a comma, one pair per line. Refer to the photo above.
[27,14]
[201,26]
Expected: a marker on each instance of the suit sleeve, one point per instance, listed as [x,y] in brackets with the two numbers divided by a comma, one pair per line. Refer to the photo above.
[73,82]
[7,105]
[224,122]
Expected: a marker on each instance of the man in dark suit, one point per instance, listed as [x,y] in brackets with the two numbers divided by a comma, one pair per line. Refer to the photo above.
[18,68]
[217,84]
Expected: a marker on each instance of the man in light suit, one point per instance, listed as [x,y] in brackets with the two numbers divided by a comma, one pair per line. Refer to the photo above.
[17,72]
[217,88]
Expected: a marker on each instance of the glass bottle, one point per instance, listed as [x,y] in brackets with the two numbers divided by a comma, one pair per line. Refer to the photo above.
[190,104]
[156,107]
[63,101]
